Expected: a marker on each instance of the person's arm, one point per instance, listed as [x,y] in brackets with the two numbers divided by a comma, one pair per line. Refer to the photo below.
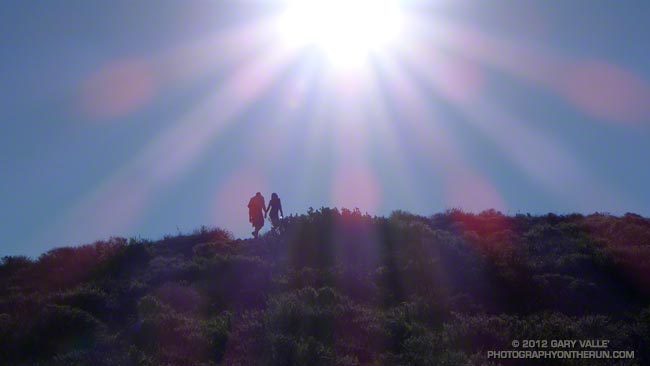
[280,206]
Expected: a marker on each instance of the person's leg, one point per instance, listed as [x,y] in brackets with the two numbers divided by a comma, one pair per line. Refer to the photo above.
[259,223]
[256,228]
[274,218]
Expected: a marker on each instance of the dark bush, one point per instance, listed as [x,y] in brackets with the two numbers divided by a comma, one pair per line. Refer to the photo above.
[88,298]
[57,330]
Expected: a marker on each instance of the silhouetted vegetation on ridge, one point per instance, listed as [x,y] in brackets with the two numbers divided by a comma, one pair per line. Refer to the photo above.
[335,287]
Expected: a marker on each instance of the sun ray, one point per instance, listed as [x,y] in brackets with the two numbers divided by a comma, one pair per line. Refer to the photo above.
[173,151]
[545,161]
[598,88]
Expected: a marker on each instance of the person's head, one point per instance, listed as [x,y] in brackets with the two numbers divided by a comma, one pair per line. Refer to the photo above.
[274,196]
[258,194]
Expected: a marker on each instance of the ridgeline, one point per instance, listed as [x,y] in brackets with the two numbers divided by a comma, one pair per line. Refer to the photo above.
[336,288]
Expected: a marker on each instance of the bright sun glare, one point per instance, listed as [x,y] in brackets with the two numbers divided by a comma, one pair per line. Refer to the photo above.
[347,31]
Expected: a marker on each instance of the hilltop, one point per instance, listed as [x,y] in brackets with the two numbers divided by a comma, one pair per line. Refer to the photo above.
[336,288]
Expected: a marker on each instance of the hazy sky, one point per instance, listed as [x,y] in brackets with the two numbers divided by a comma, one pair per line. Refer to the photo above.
[145,118]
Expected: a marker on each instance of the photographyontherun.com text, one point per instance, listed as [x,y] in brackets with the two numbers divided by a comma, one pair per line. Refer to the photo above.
[560,349]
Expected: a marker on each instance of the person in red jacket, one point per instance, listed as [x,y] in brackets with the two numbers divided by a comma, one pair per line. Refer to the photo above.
[256,212]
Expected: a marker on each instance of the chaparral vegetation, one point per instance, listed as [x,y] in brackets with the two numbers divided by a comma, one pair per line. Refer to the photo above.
[336,287]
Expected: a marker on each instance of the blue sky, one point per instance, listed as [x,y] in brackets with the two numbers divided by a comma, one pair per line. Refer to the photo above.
[141,119]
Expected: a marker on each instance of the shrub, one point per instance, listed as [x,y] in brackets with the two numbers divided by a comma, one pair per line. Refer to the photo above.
[60,329]
[88,298]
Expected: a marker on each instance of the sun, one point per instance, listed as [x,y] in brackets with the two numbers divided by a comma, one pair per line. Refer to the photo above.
[346,31]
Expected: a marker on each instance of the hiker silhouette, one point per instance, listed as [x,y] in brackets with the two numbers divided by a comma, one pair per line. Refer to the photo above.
[256,212]
[275,206]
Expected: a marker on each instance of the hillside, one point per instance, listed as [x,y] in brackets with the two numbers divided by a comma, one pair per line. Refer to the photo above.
[336,288]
